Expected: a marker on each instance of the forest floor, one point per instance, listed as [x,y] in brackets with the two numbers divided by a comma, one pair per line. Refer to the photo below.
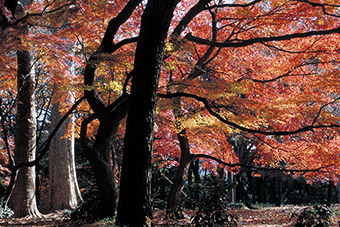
[263,216]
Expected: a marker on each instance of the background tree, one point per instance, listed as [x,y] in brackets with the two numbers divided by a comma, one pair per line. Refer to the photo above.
[25,143]
[63,185]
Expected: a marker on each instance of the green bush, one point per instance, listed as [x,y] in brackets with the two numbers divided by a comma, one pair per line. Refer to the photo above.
[318,216]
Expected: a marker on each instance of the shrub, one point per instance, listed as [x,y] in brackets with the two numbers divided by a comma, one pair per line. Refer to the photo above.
[319,216]
[5,213]
[214,212]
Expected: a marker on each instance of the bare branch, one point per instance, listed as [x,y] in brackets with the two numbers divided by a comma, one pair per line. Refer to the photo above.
[256,168]
[234,5]
[248,42]
[323,6]
[240,127]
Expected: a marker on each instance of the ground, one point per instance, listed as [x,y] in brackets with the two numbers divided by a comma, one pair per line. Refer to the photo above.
[263,216]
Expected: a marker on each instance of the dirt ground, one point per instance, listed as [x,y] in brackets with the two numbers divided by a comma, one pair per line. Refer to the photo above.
[263,216]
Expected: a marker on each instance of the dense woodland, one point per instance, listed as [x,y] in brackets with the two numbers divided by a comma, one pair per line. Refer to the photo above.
[119,108]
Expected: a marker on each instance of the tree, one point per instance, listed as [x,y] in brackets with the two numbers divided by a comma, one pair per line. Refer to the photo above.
[25,139]
[102,153]
[268,68]
[135,194]
[63,186]
[23,182]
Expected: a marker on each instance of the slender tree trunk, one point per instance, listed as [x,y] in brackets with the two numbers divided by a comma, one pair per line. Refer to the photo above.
[195,164]
[63,185]
[175,193]
[329,193]
[134,207]
[23,197]
[232,190]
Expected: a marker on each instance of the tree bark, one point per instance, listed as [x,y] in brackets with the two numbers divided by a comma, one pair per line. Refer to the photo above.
[195,168]
[102,156]
[134,207]
[232,189]
[23,198]
[174,198]
[329,193]
[63,185]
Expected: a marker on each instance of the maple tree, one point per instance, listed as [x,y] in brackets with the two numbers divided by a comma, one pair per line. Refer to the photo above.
[267,68]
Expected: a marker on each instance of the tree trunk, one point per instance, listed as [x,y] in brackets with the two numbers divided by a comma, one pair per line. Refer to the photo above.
[102,156]
[232,189]
[63,185]
[174,198]
[279,190]
[195,168]
[135,196]
[329,193]
[22,199]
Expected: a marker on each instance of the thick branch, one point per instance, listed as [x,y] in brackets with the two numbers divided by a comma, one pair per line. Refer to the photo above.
[199,7]
[248,42]
[116,22]
[256,168]
[237,126]
[104,113]
[234,5]
[323,6]
[107,46]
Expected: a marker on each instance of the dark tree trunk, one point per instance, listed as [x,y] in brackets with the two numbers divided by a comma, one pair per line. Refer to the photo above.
[251,186]
[260,187]
[329,193]
[195,168]
[102,156]
[279,190]
[174,198]
[134,207]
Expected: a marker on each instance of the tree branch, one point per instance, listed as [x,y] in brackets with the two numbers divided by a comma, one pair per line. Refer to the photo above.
[234,5]
[323,6]
[115,23]
[256,168]
[237,126]
[107,46]
[248,42]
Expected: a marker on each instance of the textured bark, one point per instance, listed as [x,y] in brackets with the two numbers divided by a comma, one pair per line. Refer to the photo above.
[63,186]
[22,199]
[134,207]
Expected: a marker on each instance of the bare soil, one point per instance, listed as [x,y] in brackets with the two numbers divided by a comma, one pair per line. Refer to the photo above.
[263,216]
